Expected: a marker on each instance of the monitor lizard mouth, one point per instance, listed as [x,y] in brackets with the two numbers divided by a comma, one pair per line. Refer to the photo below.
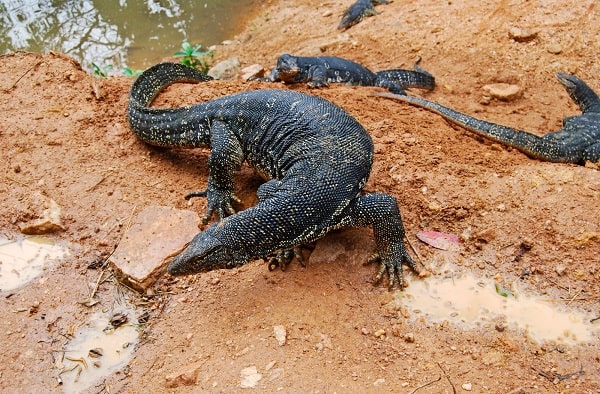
[568,80]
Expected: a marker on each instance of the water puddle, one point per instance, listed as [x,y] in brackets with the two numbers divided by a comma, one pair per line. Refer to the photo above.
[22,260]
[470,302]
[99,348]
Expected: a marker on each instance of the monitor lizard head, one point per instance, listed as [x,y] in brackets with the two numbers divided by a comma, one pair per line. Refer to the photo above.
[287,68]
[580,92]
[204,253]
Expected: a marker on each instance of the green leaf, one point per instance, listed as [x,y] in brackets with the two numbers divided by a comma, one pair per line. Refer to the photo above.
[503,291]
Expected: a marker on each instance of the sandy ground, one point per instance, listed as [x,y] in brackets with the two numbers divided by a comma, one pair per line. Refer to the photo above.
[65,136]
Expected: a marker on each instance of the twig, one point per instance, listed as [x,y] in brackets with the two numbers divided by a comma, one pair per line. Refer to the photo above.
[426,384]
[23,75]
[415,251]
[15,181]
[448,378]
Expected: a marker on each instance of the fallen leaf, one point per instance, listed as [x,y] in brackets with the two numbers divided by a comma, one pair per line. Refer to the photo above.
[439,240]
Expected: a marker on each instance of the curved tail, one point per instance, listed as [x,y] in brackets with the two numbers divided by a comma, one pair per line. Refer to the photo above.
[163,126]
[158,77]
[530,144]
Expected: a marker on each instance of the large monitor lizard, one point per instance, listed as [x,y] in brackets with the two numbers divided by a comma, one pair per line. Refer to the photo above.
[577,142]
[321,70]
[316,157]
[357,11]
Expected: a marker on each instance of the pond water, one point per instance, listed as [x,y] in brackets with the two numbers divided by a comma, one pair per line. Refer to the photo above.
[132,33]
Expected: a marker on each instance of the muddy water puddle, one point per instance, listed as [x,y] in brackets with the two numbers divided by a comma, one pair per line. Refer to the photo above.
[24,259]
[102,346]
[470,302]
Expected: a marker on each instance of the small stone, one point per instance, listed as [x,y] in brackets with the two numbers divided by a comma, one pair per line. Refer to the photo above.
[326,341]
[409,337]
[185,377]
[379,333]
[249,377]
[327,13]
[554,48]
[48,221]
[486,236]
[365,331]
[503,91]
[253,71]
[560,269]
[378,382]
[280,334]
[467,386]
[224,69]
[522,35]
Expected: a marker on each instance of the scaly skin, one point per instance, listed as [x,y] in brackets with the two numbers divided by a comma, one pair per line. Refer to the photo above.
[577,142]
[316,156]
[323,70]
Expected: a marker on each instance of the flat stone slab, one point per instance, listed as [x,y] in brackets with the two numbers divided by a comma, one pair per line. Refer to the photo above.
[157,234]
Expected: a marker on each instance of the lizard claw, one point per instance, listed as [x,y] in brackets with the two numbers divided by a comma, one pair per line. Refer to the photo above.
[218,200]
[284,257]
[392,265]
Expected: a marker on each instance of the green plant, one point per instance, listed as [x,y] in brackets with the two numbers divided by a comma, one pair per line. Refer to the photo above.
[192,56]
[128,72]
[101,72]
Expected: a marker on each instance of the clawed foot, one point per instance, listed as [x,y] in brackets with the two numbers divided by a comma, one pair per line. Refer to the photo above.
[285,256]
[392,264]
[217,200]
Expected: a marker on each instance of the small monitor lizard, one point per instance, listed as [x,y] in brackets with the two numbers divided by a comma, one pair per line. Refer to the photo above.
[316,157]
[357,11]
[577,142]
[322,70]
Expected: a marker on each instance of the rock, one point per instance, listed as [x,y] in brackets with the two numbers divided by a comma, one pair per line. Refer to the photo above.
[467,386]
[560,269]
[249,377]
[280,334]
[224,69]
[503,91]
[253,71]
[522,35]
[185,377]
[156,234]
[554,48]
[326,341]
[409,337]
[48,219]
[486,236]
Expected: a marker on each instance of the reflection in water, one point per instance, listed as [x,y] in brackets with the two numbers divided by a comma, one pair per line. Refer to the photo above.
[136,33]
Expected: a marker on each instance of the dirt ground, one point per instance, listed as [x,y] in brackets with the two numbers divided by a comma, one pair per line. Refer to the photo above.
[65,135]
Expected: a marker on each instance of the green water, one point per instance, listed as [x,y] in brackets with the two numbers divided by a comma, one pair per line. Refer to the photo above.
[133,33]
